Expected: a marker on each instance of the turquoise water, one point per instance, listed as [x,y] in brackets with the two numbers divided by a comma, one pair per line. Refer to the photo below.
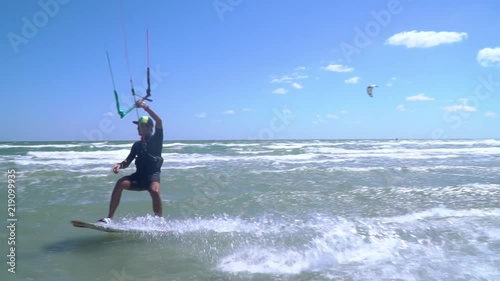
[259,210]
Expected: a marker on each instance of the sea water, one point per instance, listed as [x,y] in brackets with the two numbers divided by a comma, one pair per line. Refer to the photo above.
[258,210]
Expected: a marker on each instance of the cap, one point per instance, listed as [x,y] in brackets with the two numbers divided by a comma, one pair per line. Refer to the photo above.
[144,120]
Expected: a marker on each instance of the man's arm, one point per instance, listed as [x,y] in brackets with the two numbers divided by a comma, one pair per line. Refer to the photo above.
[159,124]
[133,152]
[125,163]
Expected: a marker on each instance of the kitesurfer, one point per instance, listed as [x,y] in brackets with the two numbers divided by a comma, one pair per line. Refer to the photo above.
[148,162]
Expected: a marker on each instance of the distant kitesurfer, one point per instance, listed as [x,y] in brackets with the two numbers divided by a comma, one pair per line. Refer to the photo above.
[148,162]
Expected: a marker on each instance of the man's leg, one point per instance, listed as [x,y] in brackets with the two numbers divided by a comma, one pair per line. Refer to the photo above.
[121,184]
[154,191]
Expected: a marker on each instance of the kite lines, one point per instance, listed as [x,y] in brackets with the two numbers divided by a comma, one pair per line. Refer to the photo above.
[121,112]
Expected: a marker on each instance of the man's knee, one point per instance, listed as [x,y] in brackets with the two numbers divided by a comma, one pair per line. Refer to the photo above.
[123,183]
[154,188]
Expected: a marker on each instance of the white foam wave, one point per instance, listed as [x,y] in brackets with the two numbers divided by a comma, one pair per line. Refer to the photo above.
[223,224]
[183,167]
[386,143]
[70,158]
[235,144]
[337,242]
[261,260]
[180,145]
[424,142]
[442,213]
[313,152]
[196,157]
[320,242]
[255,152]
[373,168]
[367,243]
[404,153]
[78,154]
[53,145]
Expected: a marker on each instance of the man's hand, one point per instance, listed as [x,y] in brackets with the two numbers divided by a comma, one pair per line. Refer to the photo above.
[140,104]
[116,168]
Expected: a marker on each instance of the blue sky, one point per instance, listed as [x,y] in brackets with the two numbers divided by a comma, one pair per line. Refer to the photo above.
[241,69]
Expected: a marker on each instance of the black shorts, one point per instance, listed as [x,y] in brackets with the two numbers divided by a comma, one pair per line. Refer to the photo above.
[140,182]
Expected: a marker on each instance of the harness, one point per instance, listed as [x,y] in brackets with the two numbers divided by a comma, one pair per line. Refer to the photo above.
[145,161]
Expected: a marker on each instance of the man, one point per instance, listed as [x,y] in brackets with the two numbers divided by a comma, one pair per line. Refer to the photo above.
[148,162]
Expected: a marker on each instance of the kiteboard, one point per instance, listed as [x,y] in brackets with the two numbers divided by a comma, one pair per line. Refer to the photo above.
[97,226]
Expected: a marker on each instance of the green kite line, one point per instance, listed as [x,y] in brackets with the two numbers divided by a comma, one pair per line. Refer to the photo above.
[148,90]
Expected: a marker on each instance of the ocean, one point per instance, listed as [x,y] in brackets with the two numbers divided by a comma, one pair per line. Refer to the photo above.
[256,210]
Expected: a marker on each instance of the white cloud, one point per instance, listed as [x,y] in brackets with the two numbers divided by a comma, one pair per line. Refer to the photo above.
[319,119]
[299,68]
[343,112]
[401,107]
[286,111]
[490,114]
[201,115]
[108,114]
[425,39]
[332,116]
[297,85]
[352,80]
[419,97]
[229,112]
[289,78]
[390,83]
[280,91]
[339,68]
[299,76]
[283,79]
[246,109]
[489,56]
[460,107]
